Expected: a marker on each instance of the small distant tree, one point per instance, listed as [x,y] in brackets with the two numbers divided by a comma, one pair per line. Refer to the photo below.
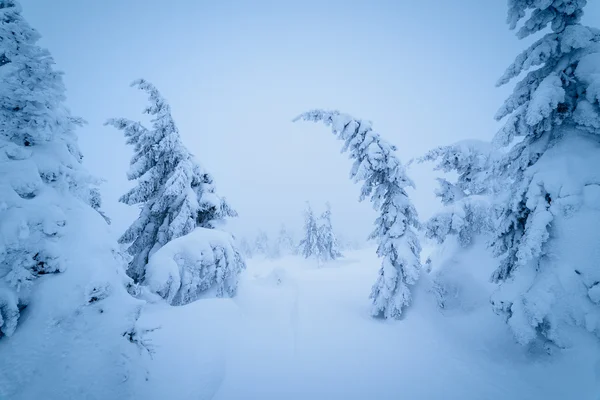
[308,244]
[327,243]
[175,193]
[285,241]
[245,248]
[261,244]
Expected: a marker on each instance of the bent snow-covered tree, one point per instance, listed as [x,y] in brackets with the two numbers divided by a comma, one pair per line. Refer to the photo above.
[175,193]
[548,230]
[385,181]
[467,206]
[326,240]
[57,259]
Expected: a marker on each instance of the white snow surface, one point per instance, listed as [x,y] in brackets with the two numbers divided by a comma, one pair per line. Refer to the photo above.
[71,340]
[297,331]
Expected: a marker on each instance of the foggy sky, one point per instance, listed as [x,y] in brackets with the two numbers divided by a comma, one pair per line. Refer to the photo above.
[237,72]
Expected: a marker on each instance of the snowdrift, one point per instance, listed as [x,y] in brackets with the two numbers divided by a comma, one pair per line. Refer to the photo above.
[203,262]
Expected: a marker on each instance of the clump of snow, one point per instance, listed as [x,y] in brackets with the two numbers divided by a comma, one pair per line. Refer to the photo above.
[459,275]
[188,266]
[545,99]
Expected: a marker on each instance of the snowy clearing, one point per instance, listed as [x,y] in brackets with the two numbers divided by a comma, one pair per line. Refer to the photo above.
[296,331]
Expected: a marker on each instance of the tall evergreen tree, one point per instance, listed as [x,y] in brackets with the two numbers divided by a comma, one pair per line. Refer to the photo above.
[308,244]
[40,164]
[55,250]
[551,207]
[385,181]
[327,243]
[175,193]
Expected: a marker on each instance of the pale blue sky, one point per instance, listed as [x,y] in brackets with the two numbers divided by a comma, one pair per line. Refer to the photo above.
[237,72]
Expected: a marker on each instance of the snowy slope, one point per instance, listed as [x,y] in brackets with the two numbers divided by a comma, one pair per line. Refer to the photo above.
[296,331]
[71,340]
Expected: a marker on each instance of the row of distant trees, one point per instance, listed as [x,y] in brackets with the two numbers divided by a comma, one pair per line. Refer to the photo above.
[319,240]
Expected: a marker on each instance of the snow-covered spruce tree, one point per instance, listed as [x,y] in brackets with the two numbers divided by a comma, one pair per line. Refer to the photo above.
[285,241]
[176,196]
[467,208]
[245,248]
[40,163]
[326,239]
[385,181]
[57,263]
[262,243]
[547,234]
[308,245]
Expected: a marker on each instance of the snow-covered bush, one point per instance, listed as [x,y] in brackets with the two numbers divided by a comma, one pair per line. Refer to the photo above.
[205,261]
[64,307]
[385,181]
[175,193]
[547,235]
[468,209]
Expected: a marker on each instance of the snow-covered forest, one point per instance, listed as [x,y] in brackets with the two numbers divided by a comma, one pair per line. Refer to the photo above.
[195,235]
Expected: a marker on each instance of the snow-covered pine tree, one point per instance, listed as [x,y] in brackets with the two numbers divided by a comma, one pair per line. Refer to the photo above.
[261,244]
[175,193]
[467,206]
[57,261]
[385,181]
[308,245]
[285,241]
[547,234]
[245,248]
[326,239]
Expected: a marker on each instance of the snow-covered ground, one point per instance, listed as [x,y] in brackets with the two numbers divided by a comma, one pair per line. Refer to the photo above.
[296,331]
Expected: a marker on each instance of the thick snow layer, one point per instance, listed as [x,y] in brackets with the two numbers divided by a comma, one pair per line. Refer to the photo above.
[187,266]
[562,242]
[296,331]
[71,341]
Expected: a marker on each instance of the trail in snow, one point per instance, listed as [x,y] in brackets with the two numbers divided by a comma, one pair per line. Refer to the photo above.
[296,331]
